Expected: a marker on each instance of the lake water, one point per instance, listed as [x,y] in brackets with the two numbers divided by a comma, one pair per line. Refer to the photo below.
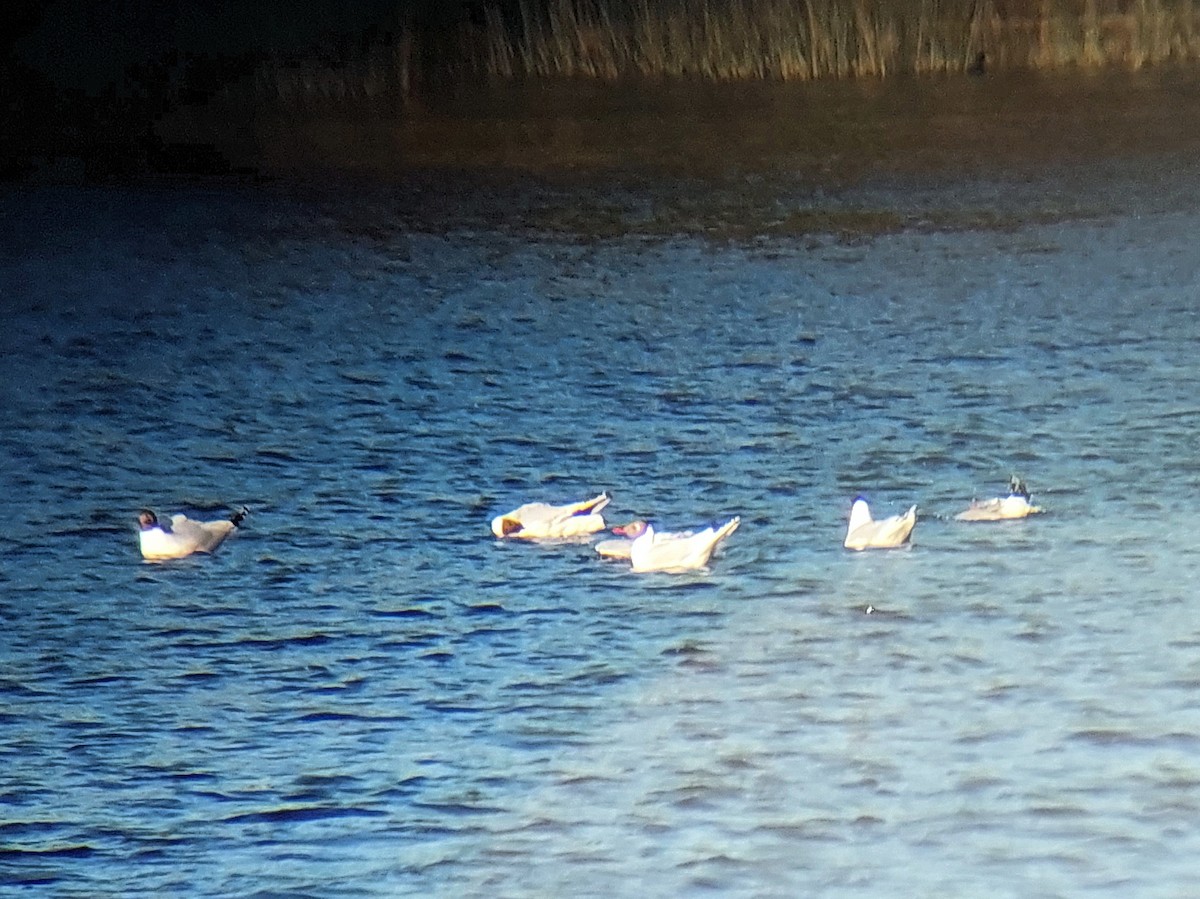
[364,694]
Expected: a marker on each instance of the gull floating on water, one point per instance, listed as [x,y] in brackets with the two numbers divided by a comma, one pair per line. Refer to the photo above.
[865,532]
[538,521]
[675,551]
[184,536]
[618,547]
[1002,508]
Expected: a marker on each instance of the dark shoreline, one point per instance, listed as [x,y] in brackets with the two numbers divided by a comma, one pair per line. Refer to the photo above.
[832,132]
[721,162]
[836,89]
[836,132]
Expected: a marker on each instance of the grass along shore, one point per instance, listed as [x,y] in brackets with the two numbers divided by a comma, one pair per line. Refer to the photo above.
[731,40]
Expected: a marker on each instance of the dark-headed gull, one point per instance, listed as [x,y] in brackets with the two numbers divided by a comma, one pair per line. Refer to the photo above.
[1001,508]
[618,547]
[537,521]
[183,536]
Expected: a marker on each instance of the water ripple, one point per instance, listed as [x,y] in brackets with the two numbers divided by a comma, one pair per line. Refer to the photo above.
[363,693]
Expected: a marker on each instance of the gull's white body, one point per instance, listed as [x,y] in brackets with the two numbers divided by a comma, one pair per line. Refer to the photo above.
[540,521]
[864,532]
[616,548]
[182,538]
[1001,508]
[678,551]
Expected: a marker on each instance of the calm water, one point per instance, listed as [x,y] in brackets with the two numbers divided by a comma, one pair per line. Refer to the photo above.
[364,694]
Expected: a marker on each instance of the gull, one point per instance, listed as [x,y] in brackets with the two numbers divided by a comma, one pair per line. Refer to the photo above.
[680,551]
[1001,508]
[183,536]
[619,548]
[537,521]
[864,532]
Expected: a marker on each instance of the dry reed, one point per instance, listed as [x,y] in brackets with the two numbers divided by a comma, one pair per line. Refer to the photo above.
[727,40]
[806,39]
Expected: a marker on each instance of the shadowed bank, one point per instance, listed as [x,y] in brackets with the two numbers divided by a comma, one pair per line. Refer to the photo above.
[828,88]
[828,132]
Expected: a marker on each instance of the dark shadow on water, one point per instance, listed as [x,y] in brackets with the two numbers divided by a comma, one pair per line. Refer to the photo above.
[832,132]
[734,162]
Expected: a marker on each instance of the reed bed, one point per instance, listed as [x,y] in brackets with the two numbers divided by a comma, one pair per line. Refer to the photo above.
[730,40]
[807,39]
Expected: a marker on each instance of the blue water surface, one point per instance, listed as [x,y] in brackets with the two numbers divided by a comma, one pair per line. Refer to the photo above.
[362,693]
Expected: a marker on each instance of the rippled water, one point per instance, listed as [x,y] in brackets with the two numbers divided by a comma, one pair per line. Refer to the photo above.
[363,693]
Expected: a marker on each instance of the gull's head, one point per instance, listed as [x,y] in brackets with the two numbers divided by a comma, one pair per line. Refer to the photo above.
[633,530]
[860,512]
[503,526]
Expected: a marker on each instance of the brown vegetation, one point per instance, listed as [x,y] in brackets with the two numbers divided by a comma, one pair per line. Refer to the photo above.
[805,39]
[729,40]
